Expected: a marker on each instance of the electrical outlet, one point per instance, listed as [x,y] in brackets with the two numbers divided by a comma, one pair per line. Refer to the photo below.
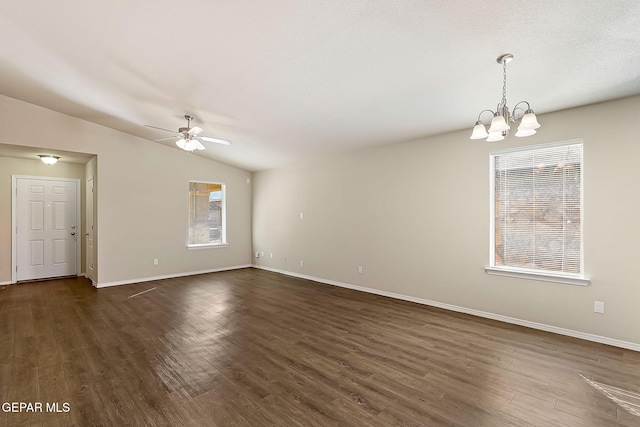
[262,254]
[598,307]
[359,269]
[257,254]
[271,255]
[155,261]
[301,263]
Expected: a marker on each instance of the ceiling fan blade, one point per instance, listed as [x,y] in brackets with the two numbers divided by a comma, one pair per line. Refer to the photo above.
[166,137]
[217,140]
[195,130]
[155,127]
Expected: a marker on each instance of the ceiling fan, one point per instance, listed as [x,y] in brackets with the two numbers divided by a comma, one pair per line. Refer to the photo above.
[189,137]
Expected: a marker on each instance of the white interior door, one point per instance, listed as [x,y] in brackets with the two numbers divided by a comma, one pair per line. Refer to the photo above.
[46,228]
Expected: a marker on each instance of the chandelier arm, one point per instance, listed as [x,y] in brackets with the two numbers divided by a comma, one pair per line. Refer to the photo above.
[524,111]
[484,111]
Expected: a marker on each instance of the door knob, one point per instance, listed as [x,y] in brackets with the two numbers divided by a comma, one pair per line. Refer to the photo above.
[86,234]
[73,234]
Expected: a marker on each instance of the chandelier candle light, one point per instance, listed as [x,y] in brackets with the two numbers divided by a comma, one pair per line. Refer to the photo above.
[499,128]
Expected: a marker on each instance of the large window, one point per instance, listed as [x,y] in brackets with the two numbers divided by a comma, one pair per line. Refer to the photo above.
[537,210]
[206,214]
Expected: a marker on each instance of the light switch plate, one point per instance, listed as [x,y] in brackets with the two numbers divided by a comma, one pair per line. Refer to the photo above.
[598,307]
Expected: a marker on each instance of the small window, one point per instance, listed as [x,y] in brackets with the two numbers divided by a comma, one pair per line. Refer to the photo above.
[537,210]
[206,214]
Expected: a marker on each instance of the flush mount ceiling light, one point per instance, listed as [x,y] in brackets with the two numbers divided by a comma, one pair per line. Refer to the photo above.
[48,159]
[499,128]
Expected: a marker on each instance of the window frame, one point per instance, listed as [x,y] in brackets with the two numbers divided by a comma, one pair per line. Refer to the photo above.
[533,274]
[223,231]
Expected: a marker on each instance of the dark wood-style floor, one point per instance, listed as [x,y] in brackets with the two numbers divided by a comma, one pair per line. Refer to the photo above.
[254,348]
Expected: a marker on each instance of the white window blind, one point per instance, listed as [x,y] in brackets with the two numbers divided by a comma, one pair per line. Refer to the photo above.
[537,210]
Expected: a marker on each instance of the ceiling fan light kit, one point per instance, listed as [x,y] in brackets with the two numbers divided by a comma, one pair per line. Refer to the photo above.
[189,136]
[189,144]
[499,125]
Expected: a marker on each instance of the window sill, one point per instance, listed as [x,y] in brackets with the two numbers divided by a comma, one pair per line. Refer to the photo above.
[544,277]
[213,246]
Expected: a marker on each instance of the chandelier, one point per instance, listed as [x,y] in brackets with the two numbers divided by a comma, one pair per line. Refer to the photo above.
[499,127]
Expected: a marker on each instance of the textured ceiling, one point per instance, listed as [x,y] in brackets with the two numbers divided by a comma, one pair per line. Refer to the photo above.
[289,79]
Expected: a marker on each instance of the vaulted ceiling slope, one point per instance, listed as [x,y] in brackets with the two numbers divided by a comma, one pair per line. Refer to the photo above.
[288,79]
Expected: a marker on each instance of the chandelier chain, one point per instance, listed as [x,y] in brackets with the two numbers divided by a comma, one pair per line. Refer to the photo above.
[504,84]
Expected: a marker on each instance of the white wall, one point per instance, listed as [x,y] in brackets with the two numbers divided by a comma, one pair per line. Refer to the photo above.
[415,215]
[142,203]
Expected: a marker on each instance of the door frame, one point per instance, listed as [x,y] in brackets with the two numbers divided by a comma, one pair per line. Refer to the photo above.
[14,220]
[90,272]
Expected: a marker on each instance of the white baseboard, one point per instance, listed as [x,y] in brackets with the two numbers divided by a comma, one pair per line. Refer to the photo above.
[5,283]
[86,276]
[168,276]
[534,325]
